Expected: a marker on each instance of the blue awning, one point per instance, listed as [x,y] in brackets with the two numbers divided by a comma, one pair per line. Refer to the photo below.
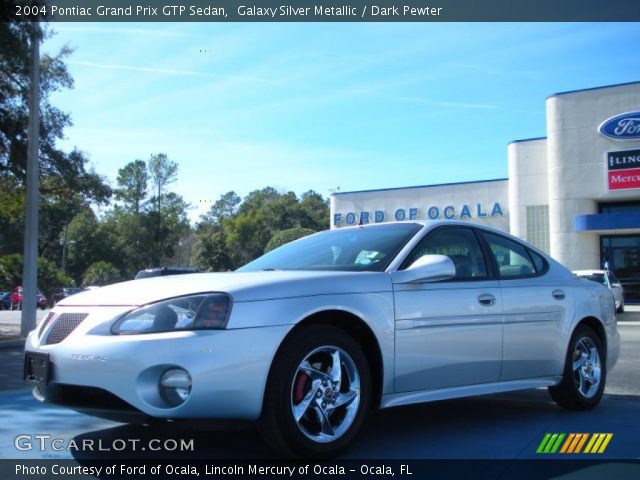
[607,221]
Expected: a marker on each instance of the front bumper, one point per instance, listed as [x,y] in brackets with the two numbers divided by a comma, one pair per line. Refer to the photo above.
[229,368]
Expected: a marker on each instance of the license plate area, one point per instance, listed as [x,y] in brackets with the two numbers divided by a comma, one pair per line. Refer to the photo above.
[36,368]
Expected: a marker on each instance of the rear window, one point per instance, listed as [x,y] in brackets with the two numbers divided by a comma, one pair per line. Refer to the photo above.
[513,259]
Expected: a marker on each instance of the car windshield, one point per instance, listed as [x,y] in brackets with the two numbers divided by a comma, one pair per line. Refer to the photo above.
[595,277]
[351,249]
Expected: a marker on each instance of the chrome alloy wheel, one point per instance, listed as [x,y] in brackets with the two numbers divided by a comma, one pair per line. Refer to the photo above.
[586,367]
[325,394]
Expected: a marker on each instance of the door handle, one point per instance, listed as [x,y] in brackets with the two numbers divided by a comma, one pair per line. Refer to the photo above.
[558,295]
[486,299]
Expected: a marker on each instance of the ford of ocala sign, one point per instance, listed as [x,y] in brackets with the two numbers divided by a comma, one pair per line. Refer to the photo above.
[433,212]
[625,126]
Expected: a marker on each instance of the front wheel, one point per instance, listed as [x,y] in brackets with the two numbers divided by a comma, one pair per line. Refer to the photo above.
[584,372]
[317,395]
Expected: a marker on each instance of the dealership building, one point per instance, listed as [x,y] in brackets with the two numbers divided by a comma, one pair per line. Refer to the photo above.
[574,194]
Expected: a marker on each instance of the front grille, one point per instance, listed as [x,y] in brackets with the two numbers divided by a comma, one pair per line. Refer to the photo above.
[87,397]
[64,325]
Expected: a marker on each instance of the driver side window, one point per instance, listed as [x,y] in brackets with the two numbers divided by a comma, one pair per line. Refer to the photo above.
[460,245]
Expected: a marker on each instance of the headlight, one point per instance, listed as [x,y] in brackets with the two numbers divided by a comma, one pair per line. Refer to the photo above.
[205,311]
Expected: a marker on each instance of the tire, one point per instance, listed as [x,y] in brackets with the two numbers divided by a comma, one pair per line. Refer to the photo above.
[585,372]
[311,409]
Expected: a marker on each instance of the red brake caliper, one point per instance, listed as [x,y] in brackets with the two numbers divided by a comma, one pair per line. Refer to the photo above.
[301,387]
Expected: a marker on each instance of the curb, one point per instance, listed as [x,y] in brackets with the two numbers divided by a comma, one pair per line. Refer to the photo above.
[7,344]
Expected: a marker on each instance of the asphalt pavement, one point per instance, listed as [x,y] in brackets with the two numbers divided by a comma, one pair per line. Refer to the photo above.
[505,426]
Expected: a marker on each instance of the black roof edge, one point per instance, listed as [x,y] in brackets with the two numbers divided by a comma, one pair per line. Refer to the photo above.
[637,82]
[527,140]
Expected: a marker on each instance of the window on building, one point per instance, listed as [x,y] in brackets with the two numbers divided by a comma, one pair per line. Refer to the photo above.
[619,207]
[537,218]
[620,254]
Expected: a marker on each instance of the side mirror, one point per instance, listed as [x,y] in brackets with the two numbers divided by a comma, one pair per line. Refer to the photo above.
[428,268]
[616,285]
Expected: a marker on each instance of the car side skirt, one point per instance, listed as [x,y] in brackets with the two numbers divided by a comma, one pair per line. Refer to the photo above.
[408,398]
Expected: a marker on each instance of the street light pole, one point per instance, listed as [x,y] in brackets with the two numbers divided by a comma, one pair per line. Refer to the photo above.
[65,245]
[63,265]
[30,268]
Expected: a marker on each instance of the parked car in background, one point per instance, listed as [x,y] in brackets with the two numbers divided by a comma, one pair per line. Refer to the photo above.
[309,338]
[162,271]
[41,300]
[5,300]
[65,292]
[16,296]
[607,279]
[16,299]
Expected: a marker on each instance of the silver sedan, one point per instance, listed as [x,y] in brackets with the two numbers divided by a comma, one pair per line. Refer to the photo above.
[310,337]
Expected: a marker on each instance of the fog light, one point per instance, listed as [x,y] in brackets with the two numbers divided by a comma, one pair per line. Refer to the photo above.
[175,386]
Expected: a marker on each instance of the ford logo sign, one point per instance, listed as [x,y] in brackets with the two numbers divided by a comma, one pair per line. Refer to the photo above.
[625,126]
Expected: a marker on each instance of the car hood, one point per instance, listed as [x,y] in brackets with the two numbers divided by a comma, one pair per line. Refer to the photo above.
[243,286]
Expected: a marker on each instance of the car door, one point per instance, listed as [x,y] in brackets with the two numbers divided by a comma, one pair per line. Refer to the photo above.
[449,333]
[534,310]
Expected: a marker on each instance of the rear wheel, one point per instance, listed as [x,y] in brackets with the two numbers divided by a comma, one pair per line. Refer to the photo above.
[317,395]
[584,372]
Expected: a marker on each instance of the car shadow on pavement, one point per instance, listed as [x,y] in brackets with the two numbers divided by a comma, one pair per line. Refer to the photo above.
[504,426]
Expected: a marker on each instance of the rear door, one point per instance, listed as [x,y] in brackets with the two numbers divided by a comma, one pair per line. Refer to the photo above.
[533,307]
[449,333]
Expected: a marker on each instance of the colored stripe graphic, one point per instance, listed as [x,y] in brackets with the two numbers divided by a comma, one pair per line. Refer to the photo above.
[598,443]
[582,442]
[566,445]
[552,442]
[543,443]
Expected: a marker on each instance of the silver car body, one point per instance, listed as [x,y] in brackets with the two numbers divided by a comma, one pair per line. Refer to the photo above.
[609,281]
[432,340]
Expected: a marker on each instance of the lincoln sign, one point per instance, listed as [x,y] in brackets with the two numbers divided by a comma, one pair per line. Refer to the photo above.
[623,169]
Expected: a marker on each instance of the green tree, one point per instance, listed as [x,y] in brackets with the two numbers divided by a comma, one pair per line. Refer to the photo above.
[50,277]
[101,273]
[210,253]
[66,185]
[132,182]
[87,243]
[162,172]
[224,207]
[247,227]
[285,236]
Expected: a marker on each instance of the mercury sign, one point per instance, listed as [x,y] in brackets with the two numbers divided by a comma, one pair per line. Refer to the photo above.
[448,212]
[625,126]
[623,169]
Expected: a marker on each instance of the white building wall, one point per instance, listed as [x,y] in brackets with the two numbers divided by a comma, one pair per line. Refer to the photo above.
[577,166]
[528,184]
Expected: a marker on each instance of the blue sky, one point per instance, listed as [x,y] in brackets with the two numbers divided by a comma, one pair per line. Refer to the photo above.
[320,106]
